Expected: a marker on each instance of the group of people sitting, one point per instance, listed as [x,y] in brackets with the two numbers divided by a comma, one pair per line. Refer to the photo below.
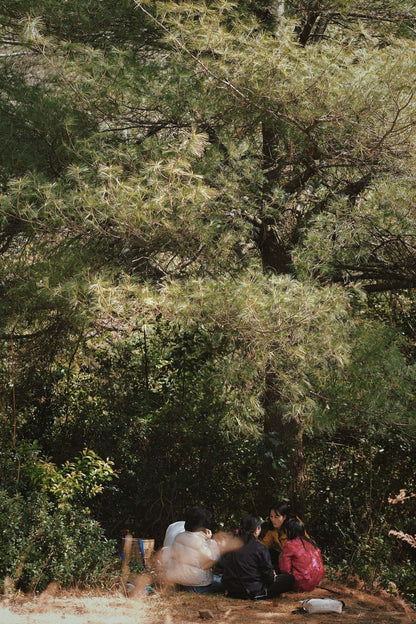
[258,562]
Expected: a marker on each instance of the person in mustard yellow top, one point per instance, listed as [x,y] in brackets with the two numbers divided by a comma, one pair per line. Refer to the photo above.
[273,532]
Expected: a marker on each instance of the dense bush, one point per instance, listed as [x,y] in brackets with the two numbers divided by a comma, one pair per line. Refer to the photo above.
[352,504]
[204,207]
[44,543]
[165,420]
[48,533]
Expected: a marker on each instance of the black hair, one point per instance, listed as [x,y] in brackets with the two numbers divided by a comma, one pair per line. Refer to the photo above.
[197,518]
[247,527]
[295,528]
[284,510]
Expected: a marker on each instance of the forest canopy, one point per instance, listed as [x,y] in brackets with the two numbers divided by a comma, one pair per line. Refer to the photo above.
[208,271]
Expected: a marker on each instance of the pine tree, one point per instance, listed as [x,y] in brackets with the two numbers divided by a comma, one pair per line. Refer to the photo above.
[152,151]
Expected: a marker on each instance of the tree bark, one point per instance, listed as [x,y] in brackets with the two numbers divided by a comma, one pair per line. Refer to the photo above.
[275,234]
[282,438]
[284,467]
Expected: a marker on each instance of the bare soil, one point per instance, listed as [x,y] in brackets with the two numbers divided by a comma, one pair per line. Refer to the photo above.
[166,606]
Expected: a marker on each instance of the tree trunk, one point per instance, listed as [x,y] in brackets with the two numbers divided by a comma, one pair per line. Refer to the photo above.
[276,234]
[282,438]
[284,467]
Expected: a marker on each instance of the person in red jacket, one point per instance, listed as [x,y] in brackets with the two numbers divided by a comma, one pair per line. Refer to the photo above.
[274,531]
[301,557]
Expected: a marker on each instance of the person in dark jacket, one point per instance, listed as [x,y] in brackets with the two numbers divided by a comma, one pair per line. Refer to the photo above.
[248,571]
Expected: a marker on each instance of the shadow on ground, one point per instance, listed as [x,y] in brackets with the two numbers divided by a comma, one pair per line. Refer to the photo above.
[168,607]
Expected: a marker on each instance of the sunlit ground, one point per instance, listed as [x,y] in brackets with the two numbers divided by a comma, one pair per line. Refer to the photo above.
[75,610]
[167,606]
[170,607]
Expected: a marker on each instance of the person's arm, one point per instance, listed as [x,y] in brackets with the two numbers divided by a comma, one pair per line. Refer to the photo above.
[269,539]
[210,553]
[285,561]
[266,569]
[214,550]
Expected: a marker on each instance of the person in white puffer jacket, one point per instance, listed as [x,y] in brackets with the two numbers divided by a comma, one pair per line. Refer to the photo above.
[192,555]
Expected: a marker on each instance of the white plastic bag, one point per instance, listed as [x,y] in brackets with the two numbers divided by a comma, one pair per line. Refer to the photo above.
[322,605]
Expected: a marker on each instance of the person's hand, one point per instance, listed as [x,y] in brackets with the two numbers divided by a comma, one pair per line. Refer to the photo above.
[227,542]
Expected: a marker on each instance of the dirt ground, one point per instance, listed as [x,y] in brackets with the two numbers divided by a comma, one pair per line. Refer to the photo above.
[168,607]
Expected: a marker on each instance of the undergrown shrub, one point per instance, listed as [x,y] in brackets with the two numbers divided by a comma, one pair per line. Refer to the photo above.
[356,512]
[48,533]
[44,543]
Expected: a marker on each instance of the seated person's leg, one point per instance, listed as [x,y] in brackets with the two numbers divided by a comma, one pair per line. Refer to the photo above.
[215,587]
[274,556]
[282,584]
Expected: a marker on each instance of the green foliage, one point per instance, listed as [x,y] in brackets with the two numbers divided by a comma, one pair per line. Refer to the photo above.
[48,532]
[44,543]
[197,201]
[369,241]
[352,490]
[376,387]
[147,402]
[79,480]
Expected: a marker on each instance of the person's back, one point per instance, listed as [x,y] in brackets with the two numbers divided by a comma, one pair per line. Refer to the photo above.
[302,558]
[248,571]
[172,531]
[193,554]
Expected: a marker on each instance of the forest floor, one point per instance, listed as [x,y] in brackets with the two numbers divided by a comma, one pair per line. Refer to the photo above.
[168,607]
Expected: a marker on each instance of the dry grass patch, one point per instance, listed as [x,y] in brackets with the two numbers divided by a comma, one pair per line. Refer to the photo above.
[168,607]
